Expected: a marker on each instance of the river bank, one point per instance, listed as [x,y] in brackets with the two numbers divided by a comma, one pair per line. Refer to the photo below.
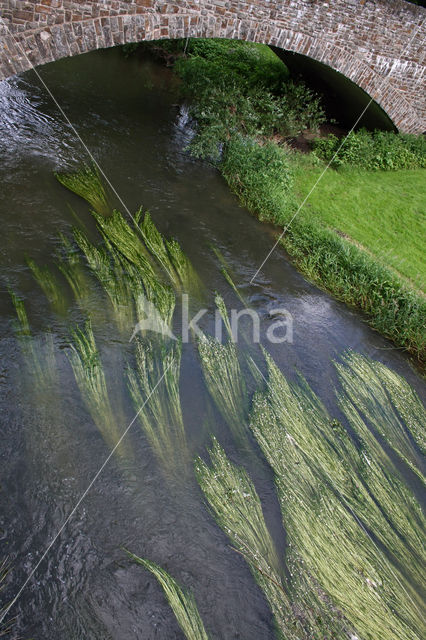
[358,232]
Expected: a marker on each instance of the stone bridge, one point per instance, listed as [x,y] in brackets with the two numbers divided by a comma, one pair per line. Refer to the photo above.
[378,44]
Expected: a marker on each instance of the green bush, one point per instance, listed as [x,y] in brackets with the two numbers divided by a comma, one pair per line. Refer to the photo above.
[260,176]
[378,150]
[241,88]
[253,64]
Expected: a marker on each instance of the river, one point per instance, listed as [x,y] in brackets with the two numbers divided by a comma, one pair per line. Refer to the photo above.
[126,112]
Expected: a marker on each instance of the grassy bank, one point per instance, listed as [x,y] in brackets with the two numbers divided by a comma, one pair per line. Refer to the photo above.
[383,212]
[349,272]
[360,234]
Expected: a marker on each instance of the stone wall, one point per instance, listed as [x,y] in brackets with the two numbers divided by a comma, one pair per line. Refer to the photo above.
[378,44]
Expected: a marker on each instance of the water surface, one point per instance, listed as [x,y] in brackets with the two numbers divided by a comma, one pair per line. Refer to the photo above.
[126,113]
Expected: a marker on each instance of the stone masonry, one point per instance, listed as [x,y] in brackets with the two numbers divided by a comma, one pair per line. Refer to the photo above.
[378,44]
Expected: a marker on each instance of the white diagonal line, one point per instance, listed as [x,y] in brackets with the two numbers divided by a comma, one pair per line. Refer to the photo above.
[68,121]
[96,476]
[326,169]
[80,500]
[312,189]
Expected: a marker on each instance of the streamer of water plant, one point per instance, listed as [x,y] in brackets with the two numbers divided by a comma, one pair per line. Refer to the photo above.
[329,515]
[386,401]
[161,418]
[181,601]
[86,182]
[86,364]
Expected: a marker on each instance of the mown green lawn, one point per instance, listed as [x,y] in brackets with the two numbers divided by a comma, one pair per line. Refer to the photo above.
[385,212]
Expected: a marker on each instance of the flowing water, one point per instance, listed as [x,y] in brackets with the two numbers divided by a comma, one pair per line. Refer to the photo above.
[126,113]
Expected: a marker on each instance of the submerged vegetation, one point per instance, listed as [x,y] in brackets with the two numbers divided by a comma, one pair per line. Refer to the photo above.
[154,387]
[299,613]
[90,377]
[353,554]
[225,382]
[332,521]
[86,182]
[182,602]
[386,401]
[38,351]
[48,285]
[353,551]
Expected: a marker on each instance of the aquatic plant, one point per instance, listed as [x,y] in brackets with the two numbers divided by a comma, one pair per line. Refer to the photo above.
[181,601]
[155,308]
[158,405]
[188,277]
[69,264]
[224,268]
[156,244]
[224,377]
[87,183]
[328,513]
[90,378]
[238,511]
[38,351]
[120,288]
[149,251]
[385,400]
[225,383]
[127,240]
[49,285]
[18,303]
[137,242]
[389,509]
[300,609]
[406,402]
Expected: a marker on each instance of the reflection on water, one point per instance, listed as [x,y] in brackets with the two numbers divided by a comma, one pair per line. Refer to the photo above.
[125,111]
[25,128]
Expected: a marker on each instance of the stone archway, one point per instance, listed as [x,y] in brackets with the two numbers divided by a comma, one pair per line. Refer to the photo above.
[378,44]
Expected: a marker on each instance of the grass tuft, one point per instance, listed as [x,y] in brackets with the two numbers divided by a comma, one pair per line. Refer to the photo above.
[87,183]
[90,378]
[181,601]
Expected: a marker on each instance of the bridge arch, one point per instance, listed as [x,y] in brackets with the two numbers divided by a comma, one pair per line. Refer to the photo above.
[378,44]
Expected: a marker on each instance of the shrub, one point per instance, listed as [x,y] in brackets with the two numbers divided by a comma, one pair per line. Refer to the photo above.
[237,88]
[260,176]
[358,279]
[253,64]
[376,150]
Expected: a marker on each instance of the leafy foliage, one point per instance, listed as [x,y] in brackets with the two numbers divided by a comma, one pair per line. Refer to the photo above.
[376,150]
[240,88]
[260,176]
